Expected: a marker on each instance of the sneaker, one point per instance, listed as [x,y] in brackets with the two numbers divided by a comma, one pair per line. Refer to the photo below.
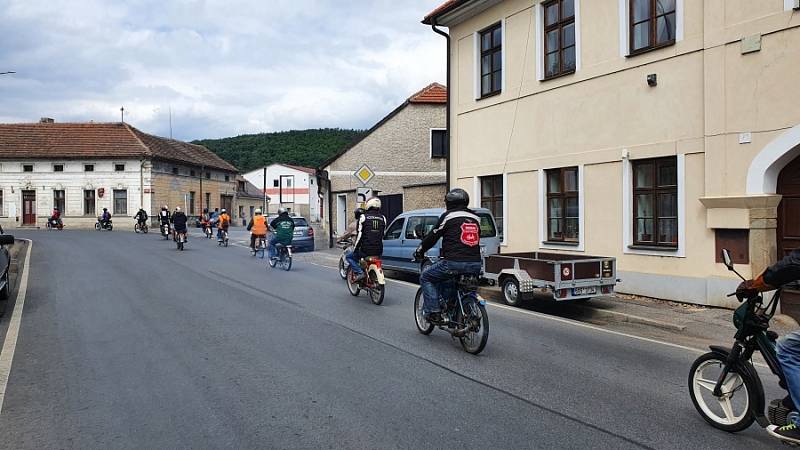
[787,433]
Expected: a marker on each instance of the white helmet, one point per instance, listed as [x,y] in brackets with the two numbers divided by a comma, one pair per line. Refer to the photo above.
[258,211]
[224,210]
[374,203]
[177,209]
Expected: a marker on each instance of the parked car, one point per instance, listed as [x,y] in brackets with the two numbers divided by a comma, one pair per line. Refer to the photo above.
[303,234]
[403,237]
[5,261]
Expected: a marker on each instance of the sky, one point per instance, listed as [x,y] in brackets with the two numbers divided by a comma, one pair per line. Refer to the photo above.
[223,67]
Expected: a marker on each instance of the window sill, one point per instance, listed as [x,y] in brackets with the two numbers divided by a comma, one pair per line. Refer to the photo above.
[562,243]
[560,75]
[489,95]
[653,248]
[649,49]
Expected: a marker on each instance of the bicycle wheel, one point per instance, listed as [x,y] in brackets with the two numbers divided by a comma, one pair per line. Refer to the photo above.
[286,262]
[477,322]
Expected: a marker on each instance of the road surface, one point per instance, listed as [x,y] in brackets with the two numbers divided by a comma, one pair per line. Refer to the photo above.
[127,343]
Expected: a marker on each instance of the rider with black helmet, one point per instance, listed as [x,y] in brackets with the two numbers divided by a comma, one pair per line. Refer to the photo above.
[460,230]
[352,229]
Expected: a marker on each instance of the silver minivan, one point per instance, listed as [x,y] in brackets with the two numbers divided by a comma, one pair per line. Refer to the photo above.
[402,238]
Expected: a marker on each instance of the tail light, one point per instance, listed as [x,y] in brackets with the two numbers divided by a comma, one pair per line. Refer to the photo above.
[310,232]
[608,268]
[377,262]
[566,271]
[606,290]
[562,293]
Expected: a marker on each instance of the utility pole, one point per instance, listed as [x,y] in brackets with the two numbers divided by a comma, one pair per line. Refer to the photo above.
[265,191]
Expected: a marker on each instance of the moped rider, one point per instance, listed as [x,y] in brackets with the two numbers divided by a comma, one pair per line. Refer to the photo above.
[105,218]
[283,226]
[777,275]
[165,217]
[257,228]
[55,217]
[223,222]
[141,217]
[179,220]
[369,237]
[459,228]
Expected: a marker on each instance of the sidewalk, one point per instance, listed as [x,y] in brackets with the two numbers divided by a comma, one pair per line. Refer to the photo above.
[685,324]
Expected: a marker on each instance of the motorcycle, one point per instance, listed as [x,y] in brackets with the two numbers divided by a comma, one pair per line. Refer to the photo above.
[374,283]
[180,239]
[463,313]
[207,230]
[54,224]
[284,258]
[165,230]
[141,227]
[347,246]
[261,247]
[723,384]
[103,226]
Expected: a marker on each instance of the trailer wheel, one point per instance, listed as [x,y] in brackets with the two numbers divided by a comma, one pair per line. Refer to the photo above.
[511,294]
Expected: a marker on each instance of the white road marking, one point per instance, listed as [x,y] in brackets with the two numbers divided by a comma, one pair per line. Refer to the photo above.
[10,344]
[566,321]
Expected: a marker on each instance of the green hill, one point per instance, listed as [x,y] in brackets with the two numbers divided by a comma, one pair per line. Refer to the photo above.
[300,147]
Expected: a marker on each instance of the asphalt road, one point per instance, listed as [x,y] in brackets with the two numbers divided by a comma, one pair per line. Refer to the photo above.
[127,343]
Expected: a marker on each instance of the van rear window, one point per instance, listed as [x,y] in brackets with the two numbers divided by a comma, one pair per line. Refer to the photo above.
[487,226]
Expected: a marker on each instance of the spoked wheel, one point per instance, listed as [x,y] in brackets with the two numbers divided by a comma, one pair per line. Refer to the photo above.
[477,322]
[145,229]
[376,290]
[97,226]
[352,286]
[225,241]
[731,412]
[423,325]
[342,269]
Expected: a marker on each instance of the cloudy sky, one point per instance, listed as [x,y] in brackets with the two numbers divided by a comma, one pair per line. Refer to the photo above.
[224,67]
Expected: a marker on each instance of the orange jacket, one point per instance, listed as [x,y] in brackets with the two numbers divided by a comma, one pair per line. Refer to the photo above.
[224,221]
[259,225]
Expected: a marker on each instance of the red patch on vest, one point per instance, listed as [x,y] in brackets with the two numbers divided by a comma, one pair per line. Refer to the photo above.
[470,234]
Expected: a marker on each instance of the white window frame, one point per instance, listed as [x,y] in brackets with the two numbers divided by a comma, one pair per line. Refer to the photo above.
[624,29]
[430,142]
[627,212]
[538,31]
[567,246]
[476,52]
[476,201]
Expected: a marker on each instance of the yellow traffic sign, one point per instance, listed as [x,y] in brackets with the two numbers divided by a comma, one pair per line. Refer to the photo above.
[364,174]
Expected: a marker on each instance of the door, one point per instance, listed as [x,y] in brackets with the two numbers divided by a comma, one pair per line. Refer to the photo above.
[341,214]
[391,206]
[28,207]
[392,244]
[789,208]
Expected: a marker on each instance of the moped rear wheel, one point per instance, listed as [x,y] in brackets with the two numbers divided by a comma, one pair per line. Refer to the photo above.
[376,291]
[732,411]
[286,262]
[423,325]
[477,322]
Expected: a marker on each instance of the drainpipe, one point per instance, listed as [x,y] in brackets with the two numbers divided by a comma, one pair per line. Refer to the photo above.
[323,175]
[447,108]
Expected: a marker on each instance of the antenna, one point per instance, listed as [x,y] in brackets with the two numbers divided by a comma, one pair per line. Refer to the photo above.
[122,114]
[170,121]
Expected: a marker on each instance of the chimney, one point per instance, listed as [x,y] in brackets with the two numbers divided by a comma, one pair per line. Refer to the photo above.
[46,120]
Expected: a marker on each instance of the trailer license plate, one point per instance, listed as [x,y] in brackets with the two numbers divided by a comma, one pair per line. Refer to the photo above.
[584,291]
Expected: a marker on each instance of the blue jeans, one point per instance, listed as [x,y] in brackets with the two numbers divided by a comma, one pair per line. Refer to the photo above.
[438,274]
[273,250]
[789,358]
[353,258]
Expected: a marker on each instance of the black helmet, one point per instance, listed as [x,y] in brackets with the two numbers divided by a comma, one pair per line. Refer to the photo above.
[456,198]
[358,212]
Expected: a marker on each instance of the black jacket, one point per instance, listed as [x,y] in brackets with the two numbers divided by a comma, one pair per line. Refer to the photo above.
[141,215]
[179,220]
[369,233]
[784,271]
[165,217]
[460,232]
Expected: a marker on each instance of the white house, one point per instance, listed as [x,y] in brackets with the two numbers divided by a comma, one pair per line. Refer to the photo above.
[291,187]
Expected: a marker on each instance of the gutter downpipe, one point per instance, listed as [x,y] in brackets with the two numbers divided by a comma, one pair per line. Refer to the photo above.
[447,107]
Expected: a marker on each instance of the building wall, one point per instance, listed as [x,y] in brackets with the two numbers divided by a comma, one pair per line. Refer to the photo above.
[302,197]
[605,115]
[423,197]
[398,152]
[73,181]
[174,190]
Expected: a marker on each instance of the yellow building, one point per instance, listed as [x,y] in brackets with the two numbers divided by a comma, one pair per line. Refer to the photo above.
[655,131]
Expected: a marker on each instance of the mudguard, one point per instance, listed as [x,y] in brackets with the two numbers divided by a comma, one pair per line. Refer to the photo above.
[758,404]
[378,274]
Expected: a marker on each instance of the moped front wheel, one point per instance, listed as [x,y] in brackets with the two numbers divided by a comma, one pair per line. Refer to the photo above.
[423,325]
[731,411]
[352,286]
[342,268]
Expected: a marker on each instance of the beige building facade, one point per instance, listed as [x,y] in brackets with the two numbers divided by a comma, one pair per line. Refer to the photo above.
[655,136]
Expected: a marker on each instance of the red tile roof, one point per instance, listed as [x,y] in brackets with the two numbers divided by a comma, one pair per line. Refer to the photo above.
[301,168]
[98,140]
[441,9]
[433,93]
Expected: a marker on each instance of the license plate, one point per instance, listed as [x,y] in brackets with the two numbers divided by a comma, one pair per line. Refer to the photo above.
[584,291]
[298,233]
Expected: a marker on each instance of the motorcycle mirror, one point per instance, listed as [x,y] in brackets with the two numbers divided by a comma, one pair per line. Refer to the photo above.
[726,258]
